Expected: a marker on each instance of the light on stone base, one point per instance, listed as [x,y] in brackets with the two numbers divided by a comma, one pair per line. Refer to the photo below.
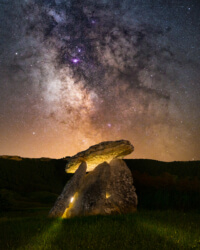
[107,195]
[67,212]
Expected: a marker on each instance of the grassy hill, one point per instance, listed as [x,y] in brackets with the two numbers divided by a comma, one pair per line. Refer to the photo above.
[166,185]
[153,167]
[28,182]
[24,174]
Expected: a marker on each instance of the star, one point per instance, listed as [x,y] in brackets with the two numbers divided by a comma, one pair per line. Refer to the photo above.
[75,60]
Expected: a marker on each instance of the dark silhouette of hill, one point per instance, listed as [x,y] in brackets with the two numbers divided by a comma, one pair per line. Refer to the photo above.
[153,167]
[26,174]
[158,184]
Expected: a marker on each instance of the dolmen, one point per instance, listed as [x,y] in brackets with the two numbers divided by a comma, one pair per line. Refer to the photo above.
[102,183]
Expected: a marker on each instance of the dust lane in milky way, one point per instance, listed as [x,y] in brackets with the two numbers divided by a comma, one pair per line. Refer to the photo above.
[75,73]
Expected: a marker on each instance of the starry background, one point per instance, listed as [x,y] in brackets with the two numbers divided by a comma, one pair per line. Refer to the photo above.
[75,73]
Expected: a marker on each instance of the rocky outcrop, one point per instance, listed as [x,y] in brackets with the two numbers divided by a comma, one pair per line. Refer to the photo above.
[97,154]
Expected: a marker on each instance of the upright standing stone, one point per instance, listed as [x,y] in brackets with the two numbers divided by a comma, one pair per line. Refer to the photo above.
[63,201]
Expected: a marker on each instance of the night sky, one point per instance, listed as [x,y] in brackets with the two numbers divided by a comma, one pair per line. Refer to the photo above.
[75,73]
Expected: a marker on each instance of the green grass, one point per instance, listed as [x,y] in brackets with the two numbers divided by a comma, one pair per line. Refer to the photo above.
[144,229]
[159,185]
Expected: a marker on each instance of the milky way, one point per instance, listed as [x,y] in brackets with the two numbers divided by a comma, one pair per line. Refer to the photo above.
[74,73]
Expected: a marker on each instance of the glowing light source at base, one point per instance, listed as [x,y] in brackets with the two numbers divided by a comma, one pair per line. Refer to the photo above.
[107,195]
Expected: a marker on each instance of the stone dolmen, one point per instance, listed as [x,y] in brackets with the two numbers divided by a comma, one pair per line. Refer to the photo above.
[106,189]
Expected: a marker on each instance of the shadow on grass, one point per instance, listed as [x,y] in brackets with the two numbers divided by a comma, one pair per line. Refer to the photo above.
[141,230]
[115,232]
[43,239]
[22,229]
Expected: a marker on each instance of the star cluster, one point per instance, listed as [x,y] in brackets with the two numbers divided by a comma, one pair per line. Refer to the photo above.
[74,73]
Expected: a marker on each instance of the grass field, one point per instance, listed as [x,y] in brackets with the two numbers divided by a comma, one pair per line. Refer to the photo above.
[168,215]
[31,229]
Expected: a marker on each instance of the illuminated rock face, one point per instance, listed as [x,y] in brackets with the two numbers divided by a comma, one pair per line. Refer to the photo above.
[68,192]
[107,189]
[97,154]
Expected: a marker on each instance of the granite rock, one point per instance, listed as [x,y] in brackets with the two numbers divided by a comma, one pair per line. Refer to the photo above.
[64,200]
[97,154]
[107,189]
